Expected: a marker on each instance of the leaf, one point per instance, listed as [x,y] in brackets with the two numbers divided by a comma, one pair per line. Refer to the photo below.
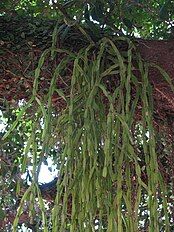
[128,23]
[94,29]
[86,13]
[23,35]
[65,33]
[97,12]
[15,123]
[2,213]
[68,4]
[164,12]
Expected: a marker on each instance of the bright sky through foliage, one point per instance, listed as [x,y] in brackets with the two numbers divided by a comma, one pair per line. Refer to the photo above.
[47,175]
[2,122]
[47,172]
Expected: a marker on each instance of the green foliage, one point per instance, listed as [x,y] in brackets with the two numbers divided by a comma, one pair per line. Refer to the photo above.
[100,167]
[148,19]
[104,149]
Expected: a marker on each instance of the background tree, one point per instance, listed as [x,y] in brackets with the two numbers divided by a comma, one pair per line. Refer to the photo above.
[88,84]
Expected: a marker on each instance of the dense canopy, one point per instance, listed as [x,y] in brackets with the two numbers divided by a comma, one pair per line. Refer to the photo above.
[88,85]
